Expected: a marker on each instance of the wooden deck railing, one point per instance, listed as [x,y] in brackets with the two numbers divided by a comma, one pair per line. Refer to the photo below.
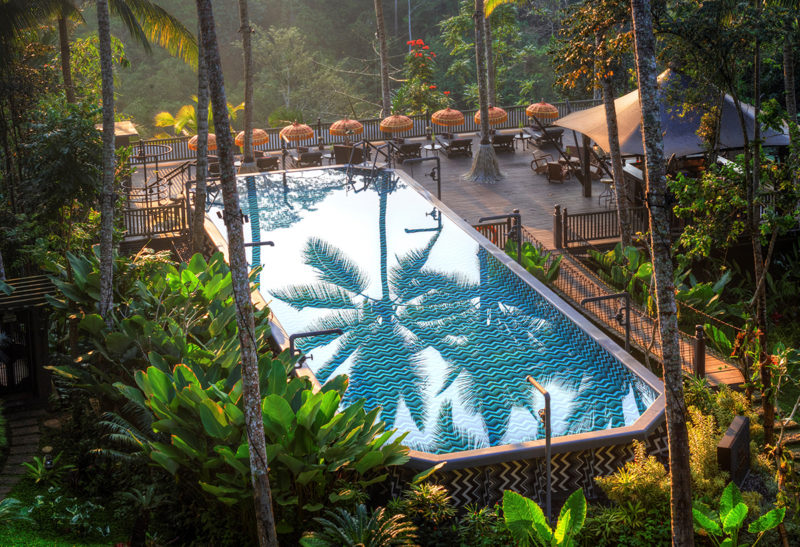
[179,147]
[151,221]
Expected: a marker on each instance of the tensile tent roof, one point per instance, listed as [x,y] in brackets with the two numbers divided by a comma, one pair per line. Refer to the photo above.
[678,124]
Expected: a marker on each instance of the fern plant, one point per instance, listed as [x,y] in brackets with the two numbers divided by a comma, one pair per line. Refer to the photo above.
[48,473]
[361,529]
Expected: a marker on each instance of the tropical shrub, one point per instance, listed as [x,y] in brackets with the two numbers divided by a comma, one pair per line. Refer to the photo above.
[643,480]
[707,478]
[40,471]
[527,524]
[430,507]
[483,527]
[68,513]
[173,351]
[341,528]
[728,520]
[535,260]
[12,510]
[626,269]
[631,524]
[418,94]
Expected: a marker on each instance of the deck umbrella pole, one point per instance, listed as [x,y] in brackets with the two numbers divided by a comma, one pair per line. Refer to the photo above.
[547,435]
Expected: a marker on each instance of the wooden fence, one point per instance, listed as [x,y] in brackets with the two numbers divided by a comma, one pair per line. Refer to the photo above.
[580,228]
[151,221]
[177,148]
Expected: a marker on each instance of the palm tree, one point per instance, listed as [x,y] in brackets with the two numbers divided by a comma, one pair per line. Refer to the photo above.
[677,435]
[198,220]
[386,99]
[248,163]
[186,120]
[262,495]
[109,163]
[484,166]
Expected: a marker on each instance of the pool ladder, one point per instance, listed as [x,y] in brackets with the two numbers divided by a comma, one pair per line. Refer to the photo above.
[374,168]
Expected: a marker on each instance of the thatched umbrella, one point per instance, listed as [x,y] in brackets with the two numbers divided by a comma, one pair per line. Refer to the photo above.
[449,117]
[259,137]
[496,115]
[296,132]
[542,111]
[396,123]
[212,142]
[346,127]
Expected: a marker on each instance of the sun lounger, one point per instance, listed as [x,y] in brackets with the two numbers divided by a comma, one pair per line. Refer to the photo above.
[455,147]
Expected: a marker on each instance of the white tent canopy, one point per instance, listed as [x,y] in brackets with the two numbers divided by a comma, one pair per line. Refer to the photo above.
[679,126]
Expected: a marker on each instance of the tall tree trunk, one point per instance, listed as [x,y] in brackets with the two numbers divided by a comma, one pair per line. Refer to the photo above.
[484,165]
[66,70]
[624,202]
[386,99]
[681,487]
[247,51]
[109,157]
[245,321]
[490,70]
[198,219]
[788,71]
[754,215]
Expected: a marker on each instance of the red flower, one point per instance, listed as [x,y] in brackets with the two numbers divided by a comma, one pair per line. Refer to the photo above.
[410,43]
[425,47]
[447,93]
[420,42]
[432,87]
[433,55]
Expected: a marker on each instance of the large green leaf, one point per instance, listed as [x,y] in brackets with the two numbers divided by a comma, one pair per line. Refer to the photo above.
[730,498]
[571,518]
[704,520]
[92,323]
[735,517]
[117,342]
[371,459]
[278,415]
[525,520]
[767,521]
[213,418]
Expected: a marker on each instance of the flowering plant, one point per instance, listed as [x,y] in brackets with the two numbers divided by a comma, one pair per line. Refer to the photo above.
[418,95]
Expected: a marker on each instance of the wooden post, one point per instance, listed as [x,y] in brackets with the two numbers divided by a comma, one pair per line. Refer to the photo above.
[564,228]
[587,176]
[700,351]
[557,227]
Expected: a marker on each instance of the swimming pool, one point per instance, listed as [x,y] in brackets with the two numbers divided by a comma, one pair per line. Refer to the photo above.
[440,329]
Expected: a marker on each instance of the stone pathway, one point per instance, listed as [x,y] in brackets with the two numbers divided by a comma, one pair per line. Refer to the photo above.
[23,431]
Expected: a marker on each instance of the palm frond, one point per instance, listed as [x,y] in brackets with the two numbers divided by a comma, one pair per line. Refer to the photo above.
[333,266]
[321,295]
[148,23]
[490,5]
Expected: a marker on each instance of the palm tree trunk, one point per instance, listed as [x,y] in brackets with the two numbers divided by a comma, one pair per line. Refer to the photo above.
[198,220]
[490,70]
[247,51]
[107,191]
[681,487]
[484,166]
[383,52]
[245,321]
[66,70]
[767,403]
[624,202]
[788,72]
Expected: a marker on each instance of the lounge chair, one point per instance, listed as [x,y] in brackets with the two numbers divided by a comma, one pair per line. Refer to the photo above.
[503,143]
[307,159]
[557,172]
[549,135]
[343,155]
[540,161]
[268,163]
[407,151]
[213,168]
[454,147]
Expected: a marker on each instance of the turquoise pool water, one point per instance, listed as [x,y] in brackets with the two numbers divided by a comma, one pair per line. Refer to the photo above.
[438,333]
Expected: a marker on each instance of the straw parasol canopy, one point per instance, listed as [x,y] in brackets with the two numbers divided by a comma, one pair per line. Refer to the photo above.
[259,137]
[396,123]
[449,117]
[544,112]
[496,115]
[296,132]
[212,142]
[345,127]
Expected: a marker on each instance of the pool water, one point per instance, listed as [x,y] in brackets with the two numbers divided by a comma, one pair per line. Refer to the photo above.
[438,333]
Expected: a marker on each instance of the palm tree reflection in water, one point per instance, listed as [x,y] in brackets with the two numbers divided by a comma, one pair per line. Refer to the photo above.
[490,335]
